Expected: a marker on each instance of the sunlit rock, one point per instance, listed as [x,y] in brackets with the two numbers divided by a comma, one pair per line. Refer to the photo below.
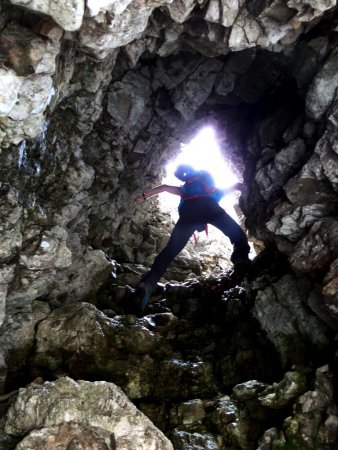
[246,32]
[281,394]
[97,6]
[67,13]
[322,91]
[309,9]
[68,434]
[24,120]
[91,405]
[10,85]
[112,29]
[179,10]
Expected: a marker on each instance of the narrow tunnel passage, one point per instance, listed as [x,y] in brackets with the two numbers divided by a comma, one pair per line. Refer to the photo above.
[95,101]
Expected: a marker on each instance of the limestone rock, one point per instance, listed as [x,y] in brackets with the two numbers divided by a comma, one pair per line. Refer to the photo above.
[82,409]
[117,7]
[318,248]
[246,32]
[232,422]
[17,340]
[282,312]
[10,86]
[116,27]
[6,276]
[179,10]
[186,440]
[66,435]
[28,53]
[98,351]
[310,9]
[11,233]
[314,410]
[249,389]
[128,102]
[273,176]
[97,97]
[67,13]
[322,91]
[201,80]
[281,394]
[24,120]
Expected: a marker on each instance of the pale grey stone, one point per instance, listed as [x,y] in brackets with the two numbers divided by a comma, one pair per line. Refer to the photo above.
[323,89]
[230,10]
[213,11]
[246,32]
[10,85]
[282,314]
[17,337]
[89,404]
[309,9]
[97,6]
[35,95]
[201,80]
[101,36]
[52,252]
[67,13]
[292,386]
[179,10]
[68,435]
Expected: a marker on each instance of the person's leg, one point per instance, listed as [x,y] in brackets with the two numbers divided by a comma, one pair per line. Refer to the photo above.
[238,238]
[178,239]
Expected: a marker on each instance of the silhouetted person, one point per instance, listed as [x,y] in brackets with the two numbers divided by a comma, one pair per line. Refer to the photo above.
[198,206]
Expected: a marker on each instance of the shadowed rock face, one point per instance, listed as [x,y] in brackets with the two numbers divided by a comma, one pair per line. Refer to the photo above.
[95,99]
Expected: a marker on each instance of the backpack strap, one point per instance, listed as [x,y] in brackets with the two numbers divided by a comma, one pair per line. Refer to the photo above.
[208,190]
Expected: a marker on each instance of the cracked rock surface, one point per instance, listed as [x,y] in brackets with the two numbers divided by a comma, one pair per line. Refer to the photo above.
[95,99]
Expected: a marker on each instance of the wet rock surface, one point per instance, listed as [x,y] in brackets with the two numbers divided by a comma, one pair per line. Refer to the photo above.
[95,99]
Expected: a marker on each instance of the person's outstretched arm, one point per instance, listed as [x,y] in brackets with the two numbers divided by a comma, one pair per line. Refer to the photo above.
[176,190]
[234,187]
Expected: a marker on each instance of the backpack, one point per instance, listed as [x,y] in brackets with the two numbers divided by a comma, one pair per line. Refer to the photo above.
[201,184]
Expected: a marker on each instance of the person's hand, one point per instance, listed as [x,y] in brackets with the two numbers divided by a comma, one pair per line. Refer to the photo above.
[238,186]
[139,199]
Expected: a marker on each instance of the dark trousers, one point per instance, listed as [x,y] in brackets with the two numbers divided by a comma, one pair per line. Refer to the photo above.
[194,214]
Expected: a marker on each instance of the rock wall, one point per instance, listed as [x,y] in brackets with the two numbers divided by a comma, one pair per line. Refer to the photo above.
[95,98]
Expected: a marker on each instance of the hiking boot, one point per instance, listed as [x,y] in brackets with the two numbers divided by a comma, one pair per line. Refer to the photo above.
[242,266]
[141,298]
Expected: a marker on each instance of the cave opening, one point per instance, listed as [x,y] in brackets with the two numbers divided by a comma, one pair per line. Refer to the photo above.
[203,152]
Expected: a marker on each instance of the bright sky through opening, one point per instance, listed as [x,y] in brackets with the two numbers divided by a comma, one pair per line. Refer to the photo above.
[204,153]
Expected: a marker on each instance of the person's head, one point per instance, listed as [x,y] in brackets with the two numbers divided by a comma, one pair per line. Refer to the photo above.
[184,172]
